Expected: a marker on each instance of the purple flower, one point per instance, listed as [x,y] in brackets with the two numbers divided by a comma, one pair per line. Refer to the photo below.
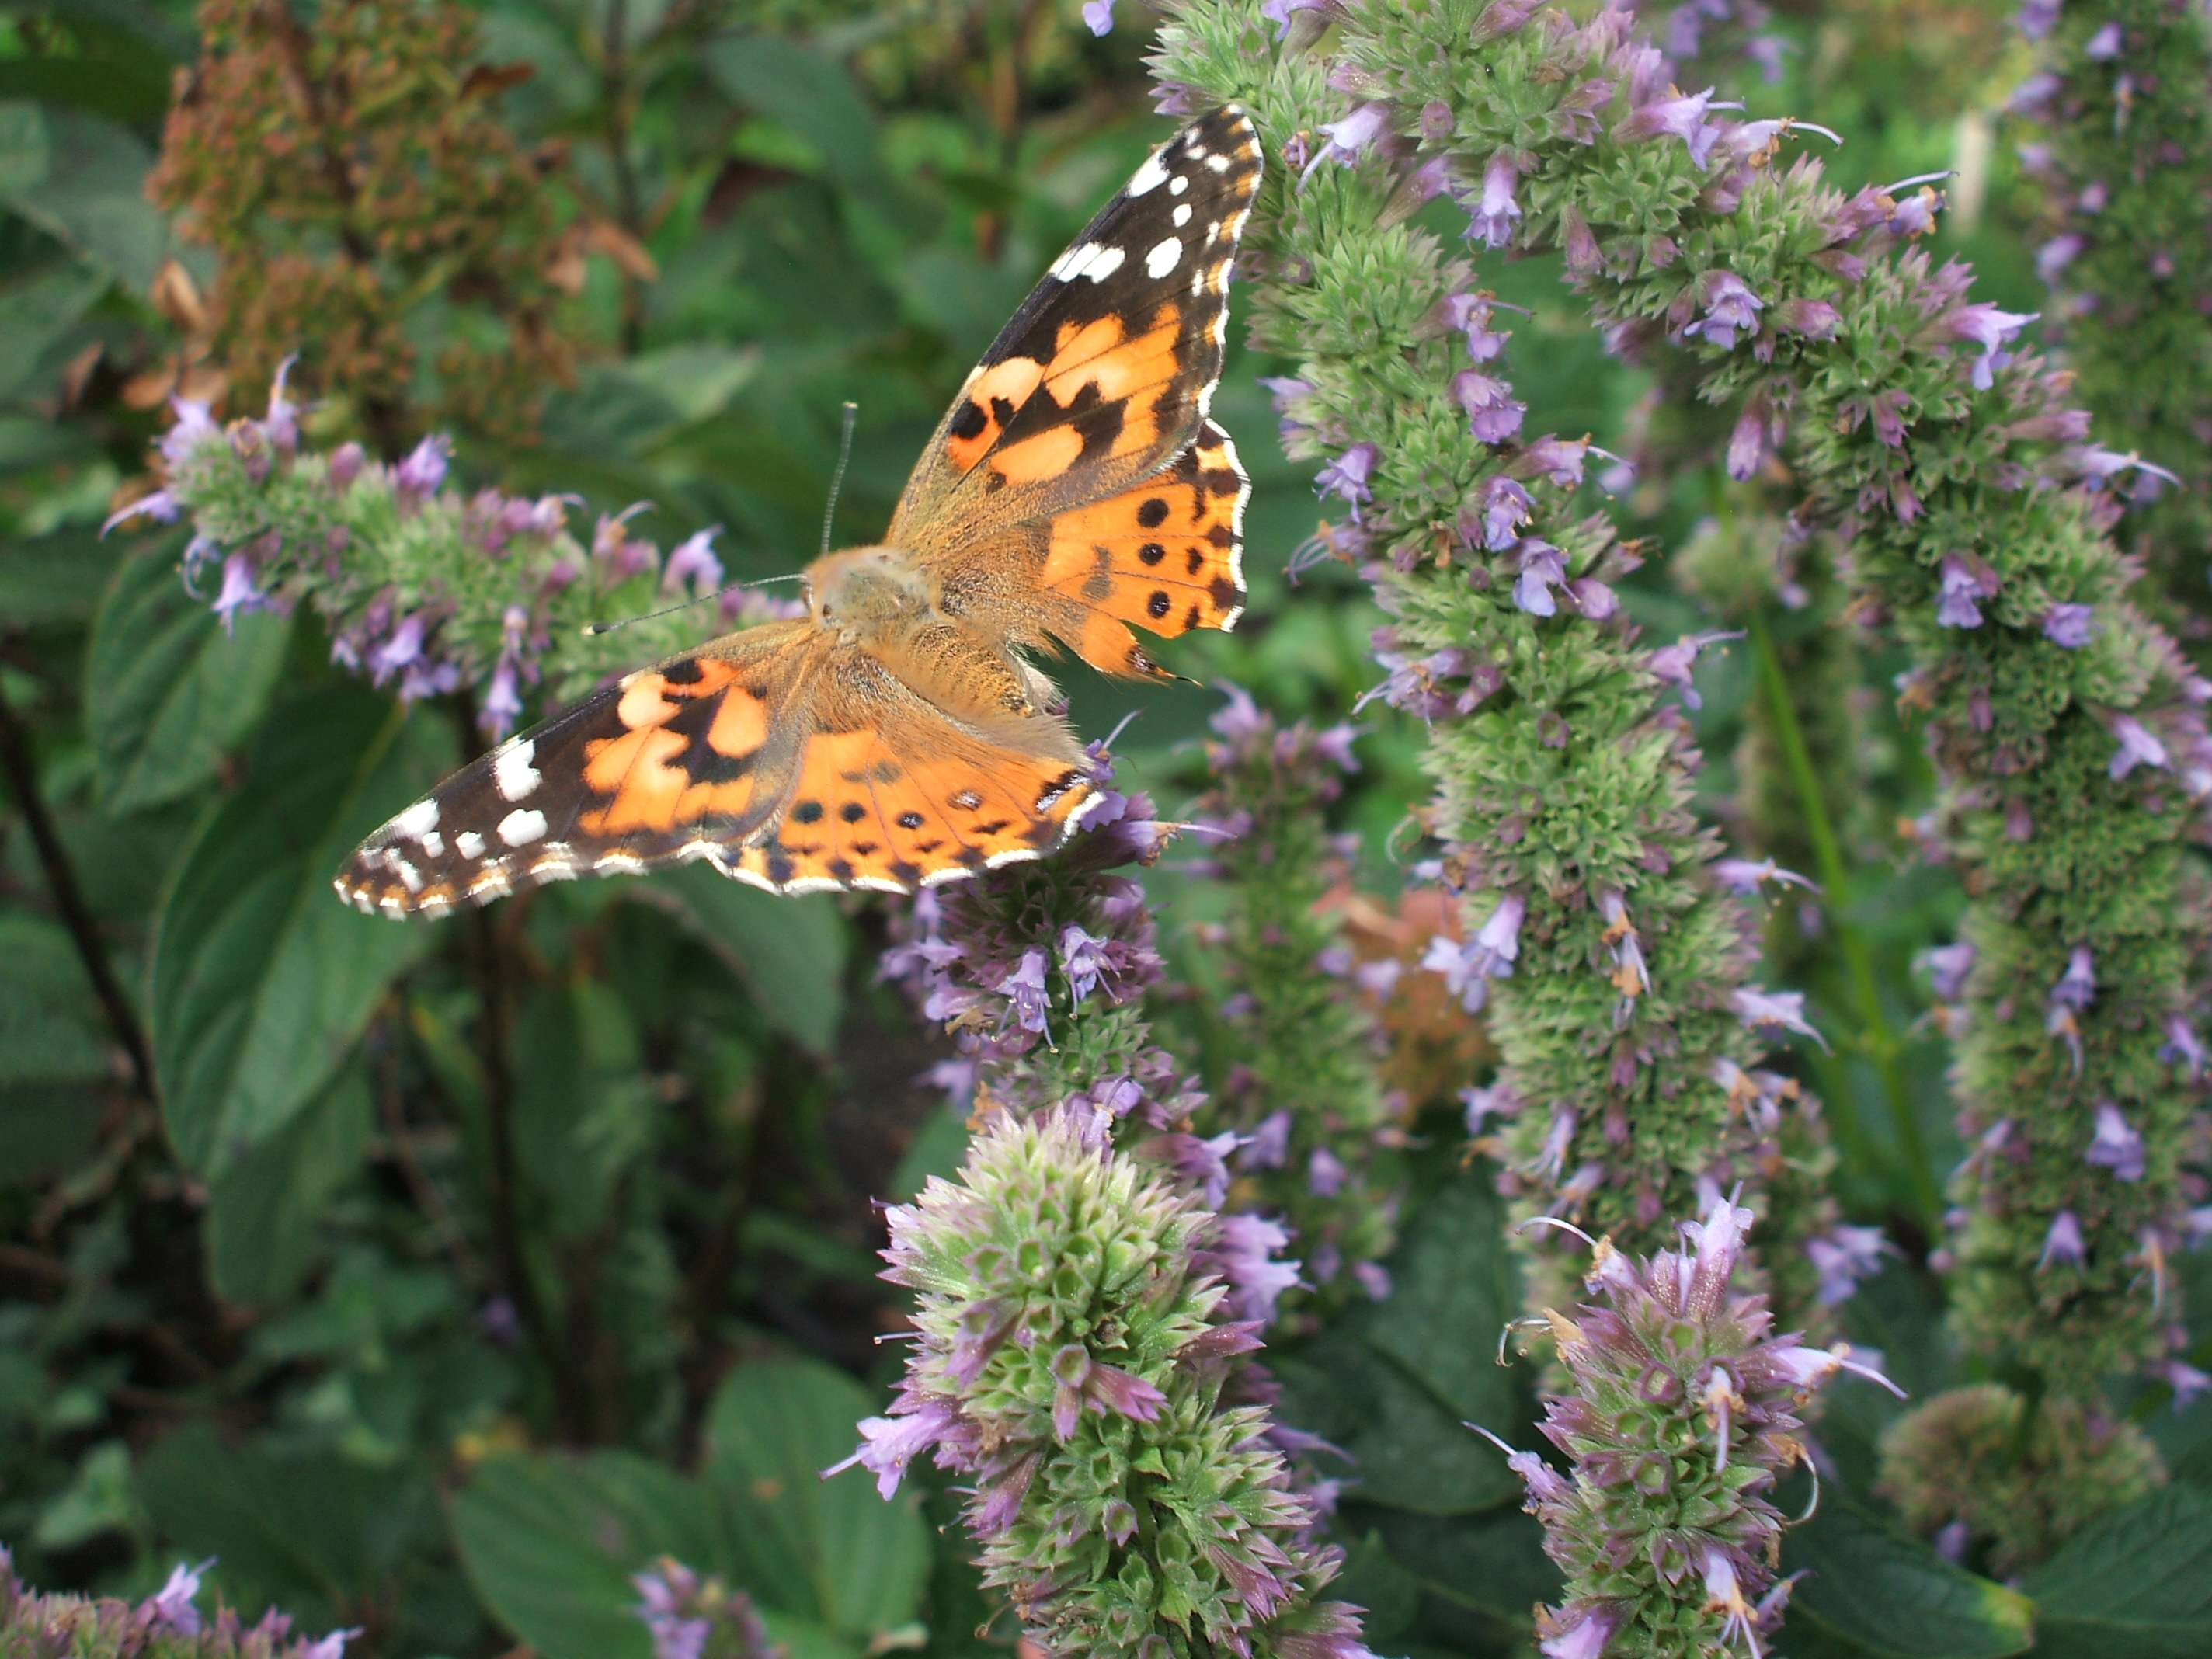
[1347,475]
[160,505]
[2063,1243]
[1204,1163]
[345,464]
[887,1444]
[239,592]
[1025,985]
[694,562]
[1816,319]
[281,426]
[1559,460]
[1481,1104]
[170,1608]
[1283,12]
[193,427]
[1244,1254]
[1494,218]
[2137,746]
[1746,449]
[2069,626]
[1498,944]
[1730,305]
[1845,1257]
[1098,16]
[1494,415]
[1504,506]
[1374,1278]
[2029,97]
[1542,568]
[2185,1380]
[1671,664]
[1984,325]
[1782,1010]
[1587,1636]
[1966,580]
[2039,17]
[2116,1145]
[502,702]
[1681,116]
[1325,1173]
[2104,45]
[1348,137]
[1743,876]
[2055,255]
[2183,1044]
[1084,960]
[1268,1146]
[333,1646]
[424,469]
[1948,967]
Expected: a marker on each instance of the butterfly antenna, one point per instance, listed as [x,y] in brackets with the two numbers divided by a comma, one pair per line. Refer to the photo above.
[837,478]
[592,630]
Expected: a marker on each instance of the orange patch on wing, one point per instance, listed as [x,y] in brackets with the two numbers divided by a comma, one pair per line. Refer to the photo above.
[986,404]
[1049,454]
[1165,555]
[864,814]
[646,777]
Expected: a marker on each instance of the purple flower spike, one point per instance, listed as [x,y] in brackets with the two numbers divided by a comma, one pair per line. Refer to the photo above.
[2116,1145]
[694,563]
[2069,627]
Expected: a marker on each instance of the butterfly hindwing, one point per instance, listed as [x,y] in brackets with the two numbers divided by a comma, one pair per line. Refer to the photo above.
[671,762]
[1104,374]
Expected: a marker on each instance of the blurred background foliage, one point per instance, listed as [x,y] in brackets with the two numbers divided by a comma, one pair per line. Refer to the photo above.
[435,1279]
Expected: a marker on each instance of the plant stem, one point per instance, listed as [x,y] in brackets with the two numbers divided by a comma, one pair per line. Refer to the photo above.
[68,898]
[1876,1038]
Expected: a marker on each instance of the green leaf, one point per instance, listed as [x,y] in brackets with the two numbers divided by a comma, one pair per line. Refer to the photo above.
[121,91]
[57,578]
[93,195]
[2137,1585]
[790,951]
[35,314]
[25,153]
[807,91]
[1886,1593]
[38,1045]
[1494,1561]
[1453,1289]
[584,1109]
[550,1544]
[262,978]
[1407,1449]
[320,1536]
[168,690]
[263,1210]
[837,1552]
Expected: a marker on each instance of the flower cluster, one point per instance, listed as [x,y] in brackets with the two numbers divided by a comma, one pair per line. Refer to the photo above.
[2119,169]
[2002,1484]
[1313,1130]
[1612,963]
[1678,1414]
[166,1624]
[1070,1367]
[694,1618]
[1038,972]
[426,587]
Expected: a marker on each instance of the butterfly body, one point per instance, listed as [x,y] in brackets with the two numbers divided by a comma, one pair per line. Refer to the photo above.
[898,735]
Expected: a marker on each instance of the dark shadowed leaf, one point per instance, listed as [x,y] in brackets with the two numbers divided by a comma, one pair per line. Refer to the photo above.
[93,196]
[860,1562]
[790,951]
[1494,1561]
[1885,1593]
[57,578]
[318,1536]
[168,690]
[262,1211]
[35,313]
[2138,1585]
[1408,1448]
[1454,1288]
[262,978]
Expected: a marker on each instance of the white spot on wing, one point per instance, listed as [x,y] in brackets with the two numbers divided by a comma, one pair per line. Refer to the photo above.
[1181,215]
[1145,179]
[1093,259]
[1162,258]
[1178,185]
[512,771]
[521,827]
[469,844]
[417,821]
[1218,163]
[434,845]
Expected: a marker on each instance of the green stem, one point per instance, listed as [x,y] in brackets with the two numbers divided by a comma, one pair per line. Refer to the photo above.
[1876,1038]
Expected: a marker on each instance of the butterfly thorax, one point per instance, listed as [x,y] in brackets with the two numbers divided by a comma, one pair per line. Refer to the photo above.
[883,601]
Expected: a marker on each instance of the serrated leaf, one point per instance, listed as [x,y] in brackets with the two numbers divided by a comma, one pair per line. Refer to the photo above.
[168,690]
[2137,1585]
[1886,1593]
[263,979]
[789,951]
[263,1212]
[851,1559]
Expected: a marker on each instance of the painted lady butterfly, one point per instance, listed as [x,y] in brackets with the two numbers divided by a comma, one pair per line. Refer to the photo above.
[898,735]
